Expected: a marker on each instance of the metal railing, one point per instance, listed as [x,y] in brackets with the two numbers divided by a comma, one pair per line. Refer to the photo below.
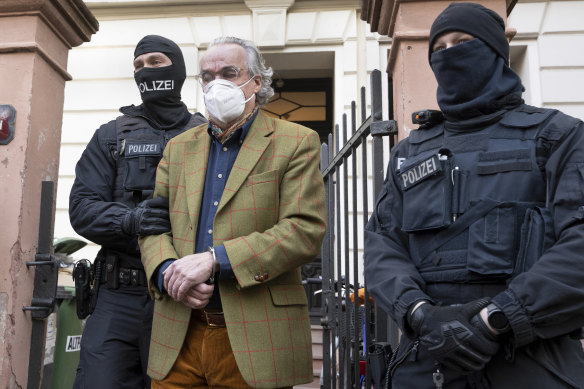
[350,329]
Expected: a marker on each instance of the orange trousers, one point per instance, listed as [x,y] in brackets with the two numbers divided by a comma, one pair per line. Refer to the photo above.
[205,361]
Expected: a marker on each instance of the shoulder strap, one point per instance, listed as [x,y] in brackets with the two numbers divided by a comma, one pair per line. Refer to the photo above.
[109,132]
[463,222]
[526,116]
[129,123]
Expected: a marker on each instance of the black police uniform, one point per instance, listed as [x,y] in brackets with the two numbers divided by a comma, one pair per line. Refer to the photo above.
[448,227]
[116,172]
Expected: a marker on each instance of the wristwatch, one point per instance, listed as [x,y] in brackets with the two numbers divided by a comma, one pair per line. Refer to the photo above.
[497,318]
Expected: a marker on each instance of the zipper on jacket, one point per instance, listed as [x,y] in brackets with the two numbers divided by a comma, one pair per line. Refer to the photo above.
[413,350]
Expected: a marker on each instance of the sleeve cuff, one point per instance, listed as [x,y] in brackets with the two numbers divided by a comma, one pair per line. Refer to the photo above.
[405,303]
[225,269]
[159,277]
[522,329]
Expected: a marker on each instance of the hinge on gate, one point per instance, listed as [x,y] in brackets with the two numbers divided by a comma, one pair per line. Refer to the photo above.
[42,305]
[46,265]
[384,128]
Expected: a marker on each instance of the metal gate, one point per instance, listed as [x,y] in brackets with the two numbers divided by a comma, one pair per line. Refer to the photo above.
[352,330]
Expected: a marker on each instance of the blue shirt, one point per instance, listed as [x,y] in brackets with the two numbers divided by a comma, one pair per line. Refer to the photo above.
[221,160]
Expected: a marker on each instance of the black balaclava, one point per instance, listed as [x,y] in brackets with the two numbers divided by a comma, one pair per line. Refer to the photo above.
[473,77]
[473,19]
[160,87]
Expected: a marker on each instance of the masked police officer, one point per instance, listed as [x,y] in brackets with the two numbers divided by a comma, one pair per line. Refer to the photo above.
[110,204]
[475,245]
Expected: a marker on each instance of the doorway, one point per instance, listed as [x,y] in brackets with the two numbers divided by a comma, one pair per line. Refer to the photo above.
[303,89]
[303,94]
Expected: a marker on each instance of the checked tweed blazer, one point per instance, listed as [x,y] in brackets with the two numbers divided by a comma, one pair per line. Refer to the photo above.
[271,219]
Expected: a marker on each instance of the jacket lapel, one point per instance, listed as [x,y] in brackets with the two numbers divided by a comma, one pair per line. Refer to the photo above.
[195,171]
[254,145]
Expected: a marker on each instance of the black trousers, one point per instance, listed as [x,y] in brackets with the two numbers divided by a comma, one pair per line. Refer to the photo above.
[548,364]
[116,341]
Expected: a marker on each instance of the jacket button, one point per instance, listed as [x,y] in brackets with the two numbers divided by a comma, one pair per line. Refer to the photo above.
[265,276]
[257,277]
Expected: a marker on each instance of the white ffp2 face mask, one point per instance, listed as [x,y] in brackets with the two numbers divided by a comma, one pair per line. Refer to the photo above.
[225,100]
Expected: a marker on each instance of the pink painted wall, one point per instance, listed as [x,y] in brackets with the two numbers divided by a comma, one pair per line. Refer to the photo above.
[34,44]
[414,85]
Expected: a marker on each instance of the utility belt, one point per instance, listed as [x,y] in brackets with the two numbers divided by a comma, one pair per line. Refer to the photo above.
[116,275]
[125,276]
[88,277]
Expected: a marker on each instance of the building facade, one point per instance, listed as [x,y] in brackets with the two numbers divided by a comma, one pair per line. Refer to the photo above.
[321,52]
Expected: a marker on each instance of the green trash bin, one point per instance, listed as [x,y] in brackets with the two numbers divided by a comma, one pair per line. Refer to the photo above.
[68,342]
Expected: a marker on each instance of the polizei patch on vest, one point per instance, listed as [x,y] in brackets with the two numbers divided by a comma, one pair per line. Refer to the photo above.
[142,149]
[420,172]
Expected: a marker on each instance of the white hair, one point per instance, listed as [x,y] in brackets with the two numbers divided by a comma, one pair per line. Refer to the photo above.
[255,65]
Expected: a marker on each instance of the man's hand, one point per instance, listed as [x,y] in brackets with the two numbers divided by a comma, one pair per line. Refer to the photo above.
[198,297]
[186,273]
[150,217]
[454,335]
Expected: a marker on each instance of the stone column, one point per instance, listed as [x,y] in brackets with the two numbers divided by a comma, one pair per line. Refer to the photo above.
[35,38]
[408,22]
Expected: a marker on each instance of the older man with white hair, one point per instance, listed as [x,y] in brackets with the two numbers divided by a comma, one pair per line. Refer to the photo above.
[247,198]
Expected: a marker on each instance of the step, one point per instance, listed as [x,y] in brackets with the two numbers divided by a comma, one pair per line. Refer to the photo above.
[316,351]
[311,385]
[316,333]
[316,367]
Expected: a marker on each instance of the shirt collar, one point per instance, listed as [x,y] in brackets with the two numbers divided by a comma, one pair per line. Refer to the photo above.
[239,134]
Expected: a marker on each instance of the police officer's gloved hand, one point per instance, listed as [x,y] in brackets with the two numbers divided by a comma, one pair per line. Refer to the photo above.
[454,335]
[150,217]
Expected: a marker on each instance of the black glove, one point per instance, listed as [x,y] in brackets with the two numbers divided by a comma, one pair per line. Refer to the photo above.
[455,335]
[150,217]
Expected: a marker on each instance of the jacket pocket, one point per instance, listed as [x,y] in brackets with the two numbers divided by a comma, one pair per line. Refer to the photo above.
[283,295]
[263,188]
[537,235]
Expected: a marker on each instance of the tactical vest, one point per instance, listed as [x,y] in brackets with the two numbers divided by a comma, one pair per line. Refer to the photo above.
[466,195]
[139,150]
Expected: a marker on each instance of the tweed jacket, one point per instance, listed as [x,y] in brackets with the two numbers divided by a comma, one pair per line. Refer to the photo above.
[271,220]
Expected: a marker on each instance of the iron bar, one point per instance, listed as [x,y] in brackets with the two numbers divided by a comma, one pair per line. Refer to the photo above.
[378,173]
[356,308]
[339,280]
[326,281]
[365,191]
[347,289]
[348,327]
[352,143]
